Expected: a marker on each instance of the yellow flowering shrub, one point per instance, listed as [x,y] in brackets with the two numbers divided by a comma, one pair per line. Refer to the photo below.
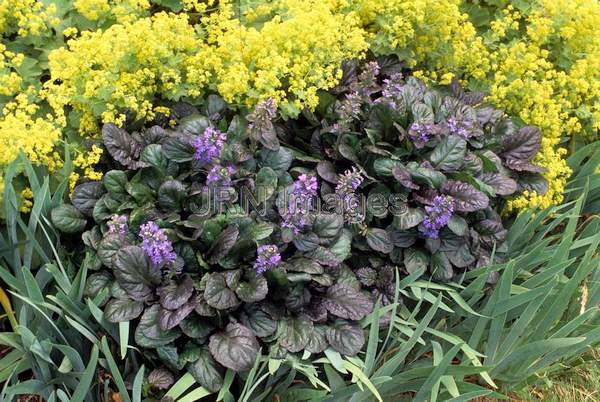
[26,200]
[10,80]
[119,10]
[103,73]
[21,130]
[545,69]
[27,17]
[430,34]
[120,59]
[279,58]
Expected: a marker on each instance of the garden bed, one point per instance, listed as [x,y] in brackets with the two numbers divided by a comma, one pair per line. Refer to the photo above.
[209,200]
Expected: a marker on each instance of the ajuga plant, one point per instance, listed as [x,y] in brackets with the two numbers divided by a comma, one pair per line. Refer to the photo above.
[222,233]
[206,239]
[433,167]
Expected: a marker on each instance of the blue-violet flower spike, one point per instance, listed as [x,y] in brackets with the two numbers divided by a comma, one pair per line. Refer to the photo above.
[305,189]
[156,245]
[268,258]
[118,224]
[220,176]
[209,144]
[438,215]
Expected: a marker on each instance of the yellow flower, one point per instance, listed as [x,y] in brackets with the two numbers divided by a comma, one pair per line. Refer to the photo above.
[86,162]
[26,200]
[69,32]
[18,123]
[27,17]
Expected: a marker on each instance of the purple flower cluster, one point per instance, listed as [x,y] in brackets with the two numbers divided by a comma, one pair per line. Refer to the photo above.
[392,87]
[350,107]
[462,128]
[391,90]
[264,111]
[305,189]
[348,110]
[305,186]
[420,133]
[349,181]
[260,120]
[347,184]
[156,245]
[118,225]
[268,258]
[438,214]
[209,145]
[367,80]
[220,175]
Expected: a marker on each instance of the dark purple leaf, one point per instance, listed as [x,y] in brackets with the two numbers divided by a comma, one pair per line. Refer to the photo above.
[171,193]
[259,322]
[440,267]
[523,144]
[217,294]
[415,259]
[472,163]
[449,153]
[324,257]
[523,166]
[149,335]
[122,146]
[502,185]
[326,170]
[174,295]
[121,310]
[533,182]
[161,378]
[458,225]
[96,283]
[346,338]
[346,302]
[254,290]
[67,219]
[403,238]
[461,257]
[203,308]
[196,327]
[179,149]
[408,219]
[86,195]
[223,243]
[232,278]
[316,310]
[298,296]
[317,342]
[296,334]
[403,176]
[379,240]
[168,319]
[301,264]
[108,247]
[207,372]
[235,348]
[135,274]
[466,197]
[366,276]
